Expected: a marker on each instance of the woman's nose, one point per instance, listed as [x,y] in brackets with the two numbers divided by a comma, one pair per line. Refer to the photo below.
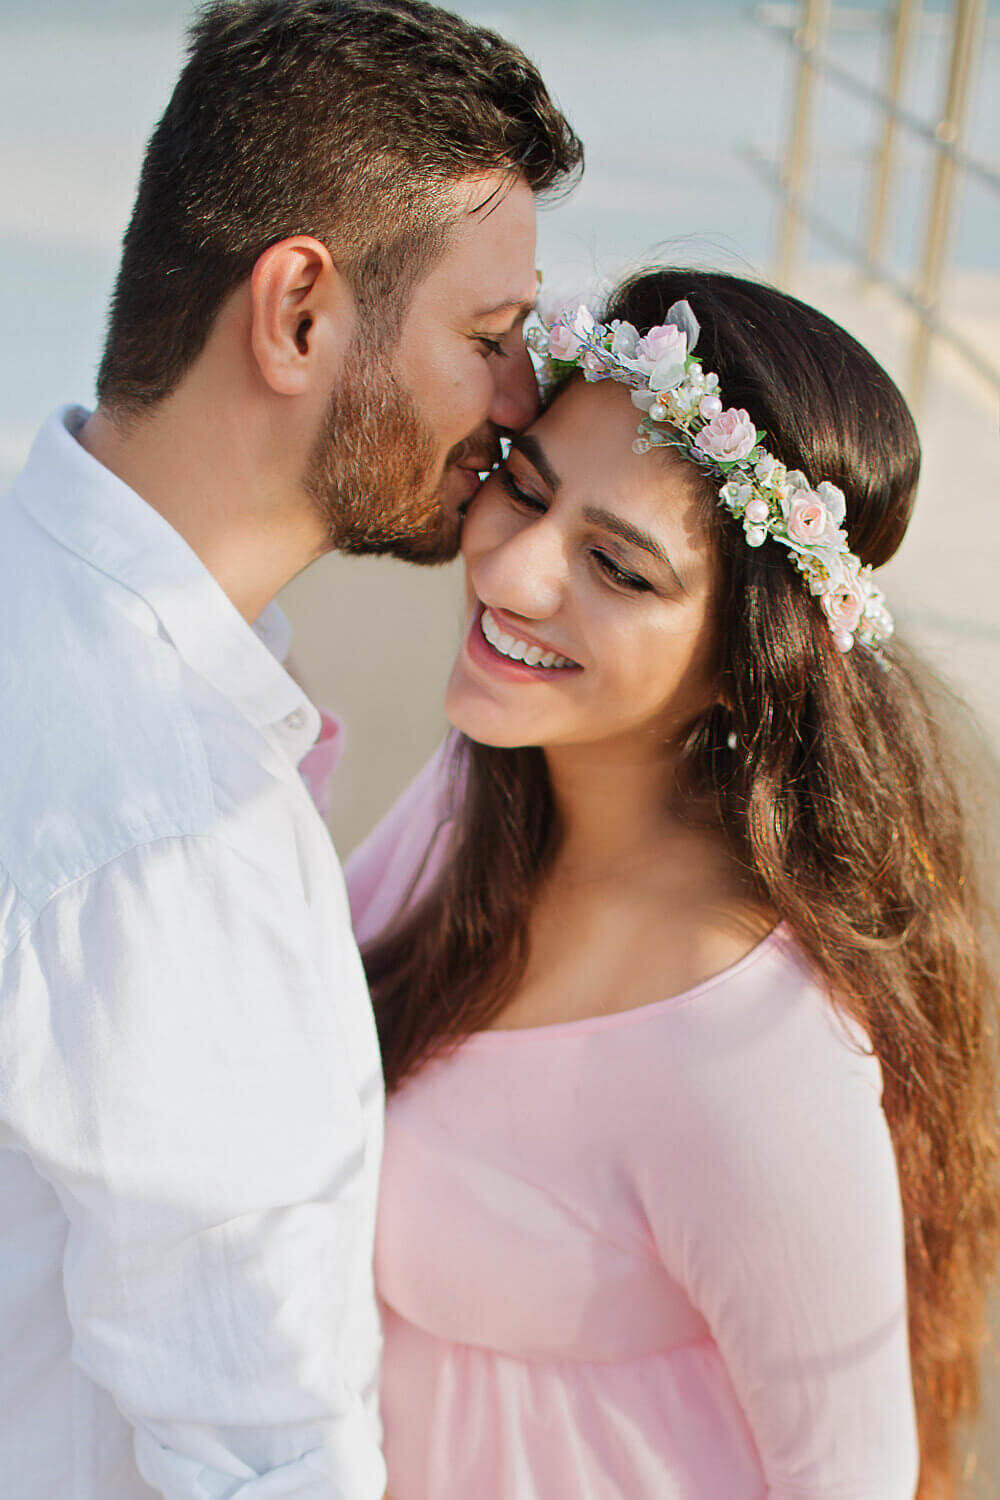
[525,574]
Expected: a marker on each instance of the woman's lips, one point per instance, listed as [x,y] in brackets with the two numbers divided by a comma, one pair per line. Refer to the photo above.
[486,656]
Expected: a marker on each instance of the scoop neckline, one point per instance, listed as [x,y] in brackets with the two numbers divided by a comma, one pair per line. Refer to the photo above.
[633,1013]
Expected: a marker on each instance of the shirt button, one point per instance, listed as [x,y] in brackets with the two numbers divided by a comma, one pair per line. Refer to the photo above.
[296,719]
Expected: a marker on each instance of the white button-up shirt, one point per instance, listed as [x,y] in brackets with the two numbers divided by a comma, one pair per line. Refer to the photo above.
[190,1090]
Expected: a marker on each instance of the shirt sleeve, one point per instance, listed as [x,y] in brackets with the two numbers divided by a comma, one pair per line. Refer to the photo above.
[403,853]
[182,1083]
[777,1207]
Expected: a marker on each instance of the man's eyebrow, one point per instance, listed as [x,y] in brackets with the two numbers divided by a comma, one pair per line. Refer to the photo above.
[535,454]
[511,304]
[598,516]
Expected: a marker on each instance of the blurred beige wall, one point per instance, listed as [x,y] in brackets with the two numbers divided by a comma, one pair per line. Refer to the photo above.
[374,642]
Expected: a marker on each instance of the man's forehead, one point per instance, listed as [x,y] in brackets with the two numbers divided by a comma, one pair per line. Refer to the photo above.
[487,269]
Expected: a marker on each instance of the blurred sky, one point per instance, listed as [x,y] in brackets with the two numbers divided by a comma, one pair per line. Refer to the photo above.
[664,95]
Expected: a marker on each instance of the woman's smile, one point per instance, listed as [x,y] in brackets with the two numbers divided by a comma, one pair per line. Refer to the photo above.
[497,646]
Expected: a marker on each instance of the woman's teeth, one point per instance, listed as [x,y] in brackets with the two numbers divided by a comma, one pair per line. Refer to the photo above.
[509,645]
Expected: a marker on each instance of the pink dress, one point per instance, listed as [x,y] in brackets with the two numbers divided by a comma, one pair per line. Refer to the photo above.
[655,1255]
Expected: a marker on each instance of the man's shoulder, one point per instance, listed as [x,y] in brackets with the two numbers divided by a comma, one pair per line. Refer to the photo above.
[110,741]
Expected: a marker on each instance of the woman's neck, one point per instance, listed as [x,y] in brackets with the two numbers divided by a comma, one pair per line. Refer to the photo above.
[615,806]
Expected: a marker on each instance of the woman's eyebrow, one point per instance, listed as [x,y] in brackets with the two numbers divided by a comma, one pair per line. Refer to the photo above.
[534,453]
[598,516]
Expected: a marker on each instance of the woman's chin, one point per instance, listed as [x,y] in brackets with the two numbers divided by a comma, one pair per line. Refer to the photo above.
[500,736]
[479,719]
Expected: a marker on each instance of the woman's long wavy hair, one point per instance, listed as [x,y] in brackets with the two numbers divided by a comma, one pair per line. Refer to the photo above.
[841,800]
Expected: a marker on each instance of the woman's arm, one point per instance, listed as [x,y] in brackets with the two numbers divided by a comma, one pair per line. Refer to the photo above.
[403,853]
[781,1216]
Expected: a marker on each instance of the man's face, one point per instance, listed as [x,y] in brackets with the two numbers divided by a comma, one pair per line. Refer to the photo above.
[409,429]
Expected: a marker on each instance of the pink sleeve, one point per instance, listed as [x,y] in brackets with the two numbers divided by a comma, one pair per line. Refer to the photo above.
[319,763]
[401,856]
[790,1244]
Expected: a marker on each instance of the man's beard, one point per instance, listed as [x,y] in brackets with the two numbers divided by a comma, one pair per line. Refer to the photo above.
[372,470]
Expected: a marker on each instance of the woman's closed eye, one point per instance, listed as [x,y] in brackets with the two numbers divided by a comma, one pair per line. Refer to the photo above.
[618,575]
[519,496]
[610,569]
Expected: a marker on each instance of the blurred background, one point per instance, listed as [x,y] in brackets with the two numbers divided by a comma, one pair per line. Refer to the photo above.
[705,125]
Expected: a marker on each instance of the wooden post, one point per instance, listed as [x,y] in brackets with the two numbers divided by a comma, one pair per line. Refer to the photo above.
[966,49]
[810,36]
[906,19]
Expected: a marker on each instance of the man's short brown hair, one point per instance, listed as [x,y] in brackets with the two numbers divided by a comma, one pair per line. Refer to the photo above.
[341,119]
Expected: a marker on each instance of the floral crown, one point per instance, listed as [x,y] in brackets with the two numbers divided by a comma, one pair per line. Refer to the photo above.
[683,409]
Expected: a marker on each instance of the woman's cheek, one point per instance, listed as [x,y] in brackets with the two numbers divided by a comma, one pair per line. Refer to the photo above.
[483,527]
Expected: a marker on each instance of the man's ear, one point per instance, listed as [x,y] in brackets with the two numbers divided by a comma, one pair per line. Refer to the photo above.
[303,316]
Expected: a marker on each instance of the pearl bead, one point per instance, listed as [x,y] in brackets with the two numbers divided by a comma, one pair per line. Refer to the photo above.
[757,512]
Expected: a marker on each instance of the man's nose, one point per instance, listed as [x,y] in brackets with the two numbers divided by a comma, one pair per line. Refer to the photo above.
[516,401]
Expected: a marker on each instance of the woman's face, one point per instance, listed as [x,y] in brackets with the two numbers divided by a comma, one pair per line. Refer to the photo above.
[594,565]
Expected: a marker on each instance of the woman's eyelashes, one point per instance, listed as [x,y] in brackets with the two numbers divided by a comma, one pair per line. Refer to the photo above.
[491,346]
[615,574]
[619,576]
[521,497]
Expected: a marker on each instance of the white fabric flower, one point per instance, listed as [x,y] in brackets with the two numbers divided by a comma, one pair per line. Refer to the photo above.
[833,499]
[594,364]
[625,339]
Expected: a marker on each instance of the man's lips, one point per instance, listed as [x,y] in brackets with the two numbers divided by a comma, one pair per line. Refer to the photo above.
[471,467]
[470,478]
[473,474]
[457,489]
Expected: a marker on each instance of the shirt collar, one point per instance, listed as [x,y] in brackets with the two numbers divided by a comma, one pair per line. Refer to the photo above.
[95,515]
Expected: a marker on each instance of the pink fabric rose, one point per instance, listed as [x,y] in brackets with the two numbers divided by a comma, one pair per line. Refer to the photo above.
[665,341]
[564,343]
[661,355]
[729,437]
[844,606]
[808,518]
[572,330]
